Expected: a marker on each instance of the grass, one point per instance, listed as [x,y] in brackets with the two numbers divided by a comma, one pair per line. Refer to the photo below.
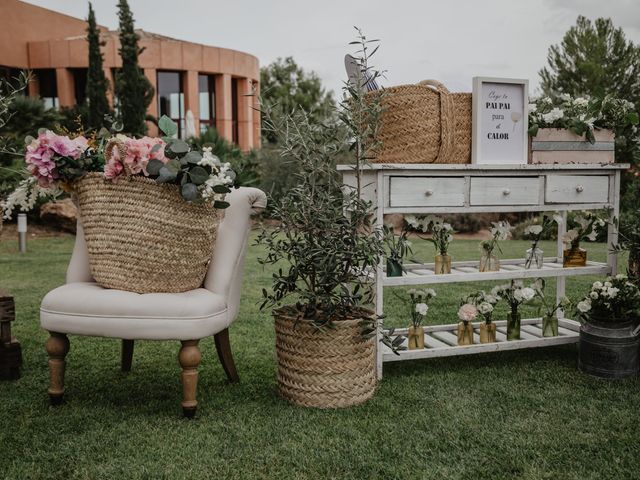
[527,414]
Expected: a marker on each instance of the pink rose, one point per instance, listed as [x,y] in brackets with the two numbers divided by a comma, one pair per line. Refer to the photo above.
[467,312]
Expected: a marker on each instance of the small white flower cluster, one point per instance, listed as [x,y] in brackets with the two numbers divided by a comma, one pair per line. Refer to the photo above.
[422,308]
[500,230]
[587,229]
[533,230]
[25,196]
[515,292]
[219,176]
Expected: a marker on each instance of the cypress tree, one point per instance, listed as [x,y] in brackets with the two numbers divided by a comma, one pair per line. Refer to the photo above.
[97,83]
[132,87]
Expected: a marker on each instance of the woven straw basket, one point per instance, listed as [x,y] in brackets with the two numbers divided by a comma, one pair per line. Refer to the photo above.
[323,369]
[144,237]
[424,123]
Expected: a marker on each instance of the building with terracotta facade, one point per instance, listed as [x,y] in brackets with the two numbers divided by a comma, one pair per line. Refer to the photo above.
[211,82]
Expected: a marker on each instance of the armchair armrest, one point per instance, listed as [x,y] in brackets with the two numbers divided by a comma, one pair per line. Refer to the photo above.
[225,272]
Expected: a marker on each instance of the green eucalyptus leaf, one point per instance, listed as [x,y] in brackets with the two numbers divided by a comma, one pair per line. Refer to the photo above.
[221,205]
[154,166]
[189,192]
[166,175]
[198,175]
[179,147]
[221,189]
[193,157]
[173,165]
[167,126]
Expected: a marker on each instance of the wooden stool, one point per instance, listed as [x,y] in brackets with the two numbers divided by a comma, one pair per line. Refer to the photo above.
[10,350]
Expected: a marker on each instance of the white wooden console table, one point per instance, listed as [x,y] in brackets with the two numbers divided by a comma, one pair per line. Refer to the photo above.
[448,189]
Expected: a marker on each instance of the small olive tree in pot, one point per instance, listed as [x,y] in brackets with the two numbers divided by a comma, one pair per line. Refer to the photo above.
[325,250]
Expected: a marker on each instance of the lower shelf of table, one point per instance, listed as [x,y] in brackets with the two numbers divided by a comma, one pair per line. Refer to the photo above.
[441,340]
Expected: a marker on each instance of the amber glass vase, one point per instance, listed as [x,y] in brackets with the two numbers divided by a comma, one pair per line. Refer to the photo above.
[465,333]
[415,338]
[574,256]
[442,264]
[487,332]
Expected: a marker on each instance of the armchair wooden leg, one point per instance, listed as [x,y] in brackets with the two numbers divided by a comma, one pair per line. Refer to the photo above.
[127,355]
[189,358]
[57,347]
[224,354]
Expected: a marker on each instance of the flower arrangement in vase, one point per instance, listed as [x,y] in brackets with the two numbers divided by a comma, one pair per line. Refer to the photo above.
[549,310]
[586,228]
[398,247]
[485,303]
[419,304]
[467,313]
[534,256]
[441,238]
[609,340]
[488,260]
[515,294]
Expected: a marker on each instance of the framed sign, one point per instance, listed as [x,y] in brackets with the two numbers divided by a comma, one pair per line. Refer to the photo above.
[500,121]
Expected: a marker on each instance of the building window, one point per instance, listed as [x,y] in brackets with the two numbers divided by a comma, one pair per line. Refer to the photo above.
[234,110]
[80,84]
[207,101]
[171,98]
[48,87]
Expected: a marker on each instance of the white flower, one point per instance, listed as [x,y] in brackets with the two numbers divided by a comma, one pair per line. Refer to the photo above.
[528,293]
[593,236]
[492,299]
[553,115]
[613,292]
[597,285]
[570,236]
[422,308]
[430,292]
[485,308]
[621,276]
[581,102]
[533,230]
[594,295]
[565,97]
[25,196]
[608,284]
[517,294]
[532,107]
[584,306]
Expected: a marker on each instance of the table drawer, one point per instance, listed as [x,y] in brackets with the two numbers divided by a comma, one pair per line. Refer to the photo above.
[505,191]
[426,191]
[577,189]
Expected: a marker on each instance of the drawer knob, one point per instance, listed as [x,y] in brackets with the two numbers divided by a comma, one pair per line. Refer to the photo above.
[428,193]
[506,192]
[579,189]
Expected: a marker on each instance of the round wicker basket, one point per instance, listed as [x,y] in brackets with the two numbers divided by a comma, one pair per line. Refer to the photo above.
[424,123]
[144,237]
[323,369]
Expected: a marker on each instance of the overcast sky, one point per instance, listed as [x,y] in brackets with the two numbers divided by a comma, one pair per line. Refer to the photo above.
[449,40]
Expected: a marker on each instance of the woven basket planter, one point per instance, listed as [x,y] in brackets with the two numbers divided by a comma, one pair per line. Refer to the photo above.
[144,237]
[324,369]
[424,123]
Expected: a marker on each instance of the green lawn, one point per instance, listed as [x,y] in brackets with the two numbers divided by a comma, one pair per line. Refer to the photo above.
[527,414]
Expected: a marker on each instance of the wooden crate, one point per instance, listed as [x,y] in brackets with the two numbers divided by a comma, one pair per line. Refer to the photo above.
[561,146]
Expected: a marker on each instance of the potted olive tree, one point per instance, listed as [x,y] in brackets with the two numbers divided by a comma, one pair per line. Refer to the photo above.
[325,250]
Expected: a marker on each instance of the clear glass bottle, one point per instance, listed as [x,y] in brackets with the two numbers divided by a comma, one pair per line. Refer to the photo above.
[489,262]
[534,258]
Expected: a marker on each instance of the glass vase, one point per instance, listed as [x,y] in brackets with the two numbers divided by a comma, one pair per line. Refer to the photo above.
[534,258]
[442,264]
[465,333]
[394,268]
[574,257]
[549,326]
[487,332]
[415,338]
[489,262]
[513,325]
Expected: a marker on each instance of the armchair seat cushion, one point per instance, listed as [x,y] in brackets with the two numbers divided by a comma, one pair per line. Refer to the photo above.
[85,308]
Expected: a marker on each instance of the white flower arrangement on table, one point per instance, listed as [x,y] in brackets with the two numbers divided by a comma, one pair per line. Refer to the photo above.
[499,232]
[419,301]
[515,294]
[537,231]
[581,115]
[586,229]
[485,303]
[614,300]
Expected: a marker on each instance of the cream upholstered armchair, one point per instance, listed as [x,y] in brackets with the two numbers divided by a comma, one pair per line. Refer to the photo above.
[82,307]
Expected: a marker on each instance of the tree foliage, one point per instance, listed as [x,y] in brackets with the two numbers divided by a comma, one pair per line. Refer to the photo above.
[133,89]
[97,83]
[285,86]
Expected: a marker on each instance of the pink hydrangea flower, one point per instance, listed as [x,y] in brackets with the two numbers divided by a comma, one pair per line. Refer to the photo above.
[42,152]
[139,152]
[467,312]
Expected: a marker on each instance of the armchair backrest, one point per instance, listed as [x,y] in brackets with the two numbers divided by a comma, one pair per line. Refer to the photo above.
[225,271]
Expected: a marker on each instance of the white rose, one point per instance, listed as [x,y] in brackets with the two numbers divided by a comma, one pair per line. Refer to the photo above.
[597,285]
[485,307]
[528,293]
[608,284]
[518,295]
[613,292]
[584,306]
[422,308]
[594,295]
[532,107]
[535,229]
